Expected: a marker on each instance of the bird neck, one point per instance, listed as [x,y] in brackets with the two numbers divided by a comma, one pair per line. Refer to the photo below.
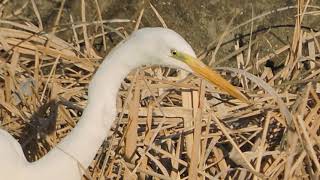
[97,118]
[82,143]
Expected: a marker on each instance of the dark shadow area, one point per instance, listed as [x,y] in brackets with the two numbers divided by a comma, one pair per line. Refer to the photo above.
[34,135]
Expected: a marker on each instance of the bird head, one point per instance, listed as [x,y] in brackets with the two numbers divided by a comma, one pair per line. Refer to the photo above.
[166,47]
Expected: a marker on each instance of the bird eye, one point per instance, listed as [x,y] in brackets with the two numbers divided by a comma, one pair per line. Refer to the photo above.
[173,52]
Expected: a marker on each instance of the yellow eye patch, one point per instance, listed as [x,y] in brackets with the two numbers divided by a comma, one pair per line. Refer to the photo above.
[180,56]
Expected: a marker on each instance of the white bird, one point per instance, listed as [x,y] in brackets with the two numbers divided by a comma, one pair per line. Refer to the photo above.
[67,161]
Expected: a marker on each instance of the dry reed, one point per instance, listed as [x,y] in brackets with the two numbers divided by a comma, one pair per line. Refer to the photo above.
[170,125]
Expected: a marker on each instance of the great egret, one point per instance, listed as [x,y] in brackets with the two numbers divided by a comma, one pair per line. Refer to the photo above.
[65,162]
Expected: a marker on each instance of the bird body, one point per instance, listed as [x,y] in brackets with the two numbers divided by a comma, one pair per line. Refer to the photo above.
[71,157]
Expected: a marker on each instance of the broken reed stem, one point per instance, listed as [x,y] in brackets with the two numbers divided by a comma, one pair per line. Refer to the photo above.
[170,127]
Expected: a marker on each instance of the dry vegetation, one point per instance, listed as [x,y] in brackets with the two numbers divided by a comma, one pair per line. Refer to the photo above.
[170,125]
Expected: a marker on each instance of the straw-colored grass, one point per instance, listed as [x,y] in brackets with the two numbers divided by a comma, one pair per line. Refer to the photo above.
[170,125]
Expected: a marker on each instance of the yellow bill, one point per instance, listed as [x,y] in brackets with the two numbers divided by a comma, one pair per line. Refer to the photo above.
[204,71]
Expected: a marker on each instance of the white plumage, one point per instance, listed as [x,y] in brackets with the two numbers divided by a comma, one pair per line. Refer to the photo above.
[65,161]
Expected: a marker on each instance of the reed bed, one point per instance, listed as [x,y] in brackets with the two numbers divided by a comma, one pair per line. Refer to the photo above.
[170,124]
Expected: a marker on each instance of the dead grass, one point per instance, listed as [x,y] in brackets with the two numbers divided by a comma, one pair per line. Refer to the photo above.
[170,125]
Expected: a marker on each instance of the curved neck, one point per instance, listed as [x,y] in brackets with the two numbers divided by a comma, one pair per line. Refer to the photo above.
[83,142]
[95,123]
